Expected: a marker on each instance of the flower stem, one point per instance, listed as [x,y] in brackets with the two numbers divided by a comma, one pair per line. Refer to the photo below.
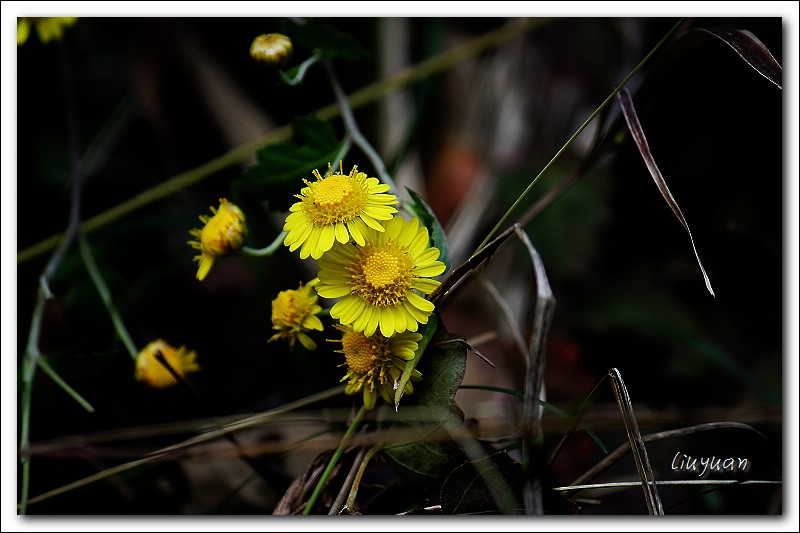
[105,295]
[301,70]
[577,133]
[267,251]
[355,133]
[334,459]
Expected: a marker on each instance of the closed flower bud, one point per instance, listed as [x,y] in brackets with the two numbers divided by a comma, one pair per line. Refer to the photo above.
[271,48]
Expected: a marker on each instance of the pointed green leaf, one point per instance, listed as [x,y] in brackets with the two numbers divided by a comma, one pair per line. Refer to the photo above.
[423,211]
[427,332]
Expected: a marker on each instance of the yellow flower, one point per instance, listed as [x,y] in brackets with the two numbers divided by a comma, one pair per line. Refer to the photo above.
[375,364]
[222,233]
[271,48]
[378,280]
[152,372]
[336,208]
[293,313]
[48,28]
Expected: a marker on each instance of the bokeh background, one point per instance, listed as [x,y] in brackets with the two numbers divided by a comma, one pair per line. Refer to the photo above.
[155,97]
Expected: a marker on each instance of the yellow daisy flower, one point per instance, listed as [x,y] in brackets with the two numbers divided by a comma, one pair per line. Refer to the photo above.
[151,372]
[222,233]
[48,28]
[377,281]
[337,208]
[375,364]
[293,313]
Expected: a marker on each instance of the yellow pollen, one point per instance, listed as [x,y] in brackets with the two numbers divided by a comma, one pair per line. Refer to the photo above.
[380,269]
[381,275]
[337,198]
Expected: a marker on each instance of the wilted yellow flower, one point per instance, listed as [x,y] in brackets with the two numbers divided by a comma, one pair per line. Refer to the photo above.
[271,48]
[337,208]
[375,364]
[152,372]
[377,281]
[222,234]
[293,313]
[48,28]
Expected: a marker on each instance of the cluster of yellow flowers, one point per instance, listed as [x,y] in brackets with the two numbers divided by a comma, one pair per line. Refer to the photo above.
[376,264]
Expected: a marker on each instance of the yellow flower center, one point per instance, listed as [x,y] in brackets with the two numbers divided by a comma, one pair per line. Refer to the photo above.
[380,269]
[382,275]
[366,355]
[337,198]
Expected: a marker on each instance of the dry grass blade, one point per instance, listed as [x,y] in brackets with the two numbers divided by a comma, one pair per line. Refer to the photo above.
[532,437]
[626,103]
[170,451]
[752,50]
[651,497]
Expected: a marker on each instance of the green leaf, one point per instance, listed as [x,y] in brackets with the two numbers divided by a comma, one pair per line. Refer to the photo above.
[317,36]
[277,174]
[427,332]
[487,486]
[426,453]
[423,211]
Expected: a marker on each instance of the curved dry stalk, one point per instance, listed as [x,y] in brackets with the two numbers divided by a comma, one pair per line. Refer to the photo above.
[651,496]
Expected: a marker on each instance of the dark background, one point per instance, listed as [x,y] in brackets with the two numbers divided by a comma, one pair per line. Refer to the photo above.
[629,292]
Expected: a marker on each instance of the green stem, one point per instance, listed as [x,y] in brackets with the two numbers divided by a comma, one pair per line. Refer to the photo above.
[577,134]
[334,460]
[301,70]
[241,153]
[44,365]
[267,251]
[355,133]
[105,295]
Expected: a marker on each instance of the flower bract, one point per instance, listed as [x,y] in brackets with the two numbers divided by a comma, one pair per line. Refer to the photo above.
[375,364]
[380,281]
[341,207]
[221,234]
[293,313]
[153,373]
